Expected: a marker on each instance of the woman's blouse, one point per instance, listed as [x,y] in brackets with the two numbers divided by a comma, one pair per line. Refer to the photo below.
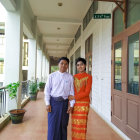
[82,86]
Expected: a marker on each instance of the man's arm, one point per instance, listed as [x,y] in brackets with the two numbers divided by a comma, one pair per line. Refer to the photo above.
[72,102]
[47,92]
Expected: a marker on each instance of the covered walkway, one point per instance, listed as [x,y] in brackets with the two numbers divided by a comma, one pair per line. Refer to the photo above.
[34,126]
[34,34]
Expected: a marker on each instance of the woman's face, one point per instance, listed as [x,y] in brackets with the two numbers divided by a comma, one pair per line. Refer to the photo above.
[81,67]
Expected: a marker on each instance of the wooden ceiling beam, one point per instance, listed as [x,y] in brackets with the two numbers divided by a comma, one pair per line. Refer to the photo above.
[121,1]
[119,5]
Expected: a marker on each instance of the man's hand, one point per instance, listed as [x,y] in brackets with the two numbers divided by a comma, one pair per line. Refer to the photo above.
[70,109]
[48,108]
[71,97]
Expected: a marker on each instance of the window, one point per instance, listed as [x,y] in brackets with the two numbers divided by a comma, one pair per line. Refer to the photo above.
[78,33]
[2,28]
[133,12]
[88,45]
[72,44]
[133,69]
[1,40]
[118,66]
[1,66]
[77,54]
[71,64]
[25,56]
[132,16]
[88,54]
[93,8]
[118,21]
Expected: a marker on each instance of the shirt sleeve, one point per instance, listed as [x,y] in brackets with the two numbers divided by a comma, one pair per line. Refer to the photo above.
[85,93]
[47,90]
[72,92]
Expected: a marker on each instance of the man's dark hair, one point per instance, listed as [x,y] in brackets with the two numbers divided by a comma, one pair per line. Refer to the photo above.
[63,58]
[80,59]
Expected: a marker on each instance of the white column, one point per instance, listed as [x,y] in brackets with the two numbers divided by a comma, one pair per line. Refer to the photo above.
[47,69]
[13,51]
[39,62]
[43,67]
[32,60]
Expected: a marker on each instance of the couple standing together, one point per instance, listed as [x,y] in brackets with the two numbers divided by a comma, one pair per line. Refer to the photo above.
[65,94]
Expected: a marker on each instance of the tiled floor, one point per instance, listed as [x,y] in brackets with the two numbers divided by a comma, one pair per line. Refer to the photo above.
[34,126]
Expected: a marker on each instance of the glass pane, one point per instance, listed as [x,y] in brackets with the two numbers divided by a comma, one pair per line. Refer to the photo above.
[86,46]
[77,54]
[118,66]
[133,12]
[91,12]
[133,69]
[25,55]
[118,21]
[71,65]
[1,67]
[90,46]
[87,64]
[88,17]
[90,65]
[84,23]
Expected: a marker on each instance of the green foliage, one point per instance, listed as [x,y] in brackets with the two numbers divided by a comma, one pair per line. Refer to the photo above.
[12,89]
[41,84]
[54,68]
[33,88]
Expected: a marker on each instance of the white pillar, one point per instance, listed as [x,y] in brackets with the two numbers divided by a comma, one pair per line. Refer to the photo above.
[13,51]
[32,60]
[43,67]
[39,64]
[47,70]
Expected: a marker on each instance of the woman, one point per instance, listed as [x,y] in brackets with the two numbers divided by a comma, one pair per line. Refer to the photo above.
[82,87]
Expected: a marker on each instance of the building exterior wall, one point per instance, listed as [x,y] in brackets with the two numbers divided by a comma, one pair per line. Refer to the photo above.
[101,29]
[101,59]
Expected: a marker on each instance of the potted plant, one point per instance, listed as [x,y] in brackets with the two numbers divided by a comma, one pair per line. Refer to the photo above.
[33,90]
[41,86]
[15,114]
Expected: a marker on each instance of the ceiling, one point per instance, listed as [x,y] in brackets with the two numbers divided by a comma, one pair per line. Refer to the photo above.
[59,24]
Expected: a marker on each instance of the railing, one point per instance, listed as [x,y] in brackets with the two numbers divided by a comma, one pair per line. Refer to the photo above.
[3,93]
[2,101]
[25,89]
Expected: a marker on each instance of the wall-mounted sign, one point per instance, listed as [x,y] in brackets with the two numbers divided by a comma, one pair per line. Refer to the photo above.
[102,16]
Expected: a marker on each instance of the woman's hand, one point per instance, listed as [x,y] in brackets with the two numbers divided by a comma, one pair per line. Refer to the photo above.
[70,109]
[71,97]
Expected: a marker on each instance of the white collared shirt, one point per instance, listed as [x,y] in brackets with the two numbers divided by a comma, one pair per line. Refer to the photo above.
[59,84]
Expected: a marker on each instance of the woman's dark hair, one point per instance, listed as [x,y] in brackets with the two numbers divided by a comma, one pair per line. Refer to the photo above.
[63,58]
[80,59]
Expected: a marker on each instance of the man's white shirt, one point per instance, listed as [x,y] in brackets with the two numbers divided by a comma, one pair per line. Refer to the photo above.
[59,84]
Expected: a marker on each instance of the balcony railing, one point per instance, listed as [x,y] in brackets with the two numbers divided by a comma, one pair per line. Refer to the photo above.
[4,92]
[25,90]
[2,101]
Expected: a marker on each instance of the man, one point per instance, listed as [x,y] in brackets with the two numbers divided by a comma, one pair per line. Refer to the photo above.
[58,87]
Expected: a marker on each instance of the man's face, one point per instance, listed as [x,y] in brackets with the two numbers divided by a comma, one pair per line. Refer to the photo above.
[63,66]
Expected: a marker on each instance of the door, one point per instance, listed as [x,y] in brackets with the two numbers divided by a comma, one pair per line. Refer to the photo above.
[88,54]
[125,94]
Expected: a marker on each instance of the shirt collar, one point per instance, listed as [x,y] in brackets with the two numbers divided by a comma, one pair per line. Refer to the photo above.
[62,73]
